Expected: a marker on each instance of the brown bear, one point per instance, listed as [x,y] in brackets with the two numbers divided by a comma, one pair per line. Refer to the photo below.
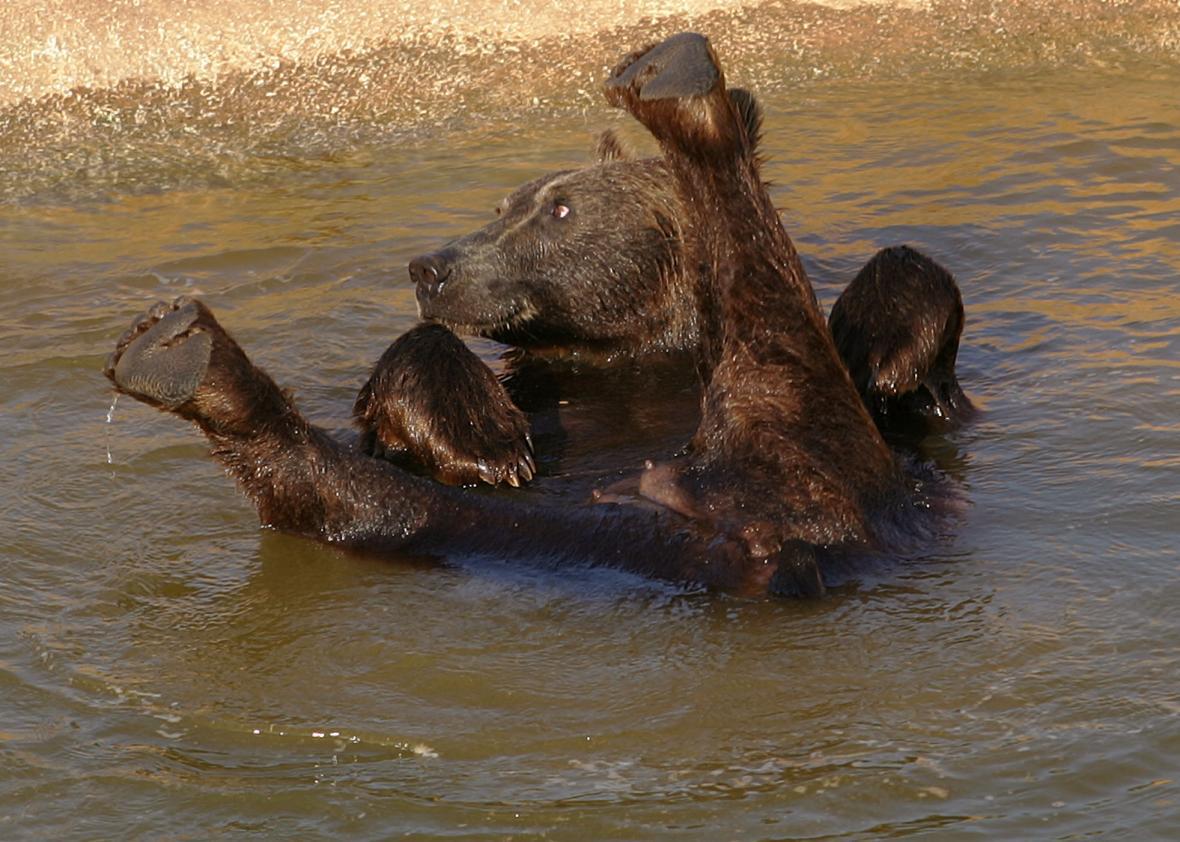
[785,471]
[584,263]
[586,268]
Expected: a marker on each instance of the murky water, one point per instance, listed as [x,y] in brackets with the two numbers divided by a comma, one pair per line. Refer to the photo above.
[168,670]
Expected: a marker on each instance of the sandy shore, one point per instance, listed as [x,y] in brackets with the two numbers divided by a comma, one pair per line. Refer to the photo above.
[140,94]
[53,46]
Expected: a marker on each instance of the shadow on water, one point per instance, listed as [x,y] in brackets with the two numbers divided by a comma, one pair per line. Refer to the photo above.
[168,670]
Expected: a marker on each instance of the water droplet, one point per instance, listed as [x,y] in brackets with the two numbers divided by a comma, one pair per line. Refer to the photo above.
[110,422]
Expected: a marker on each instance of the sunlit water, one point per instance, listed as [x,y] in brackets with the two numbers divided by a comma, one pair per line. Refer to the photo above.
[168,670]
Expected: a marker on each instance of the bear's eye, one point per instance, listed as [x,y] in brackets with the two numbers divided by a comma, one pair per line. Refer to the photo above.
[500,208]
[560,211]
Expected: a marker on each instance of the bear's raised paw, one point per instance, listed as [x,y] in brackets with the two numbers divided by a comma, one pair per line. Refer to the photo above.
[163,357]
[681,66]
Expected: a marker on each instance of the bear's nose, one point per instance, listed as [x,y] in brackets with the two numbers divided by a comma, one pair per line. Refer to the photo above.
[429,274]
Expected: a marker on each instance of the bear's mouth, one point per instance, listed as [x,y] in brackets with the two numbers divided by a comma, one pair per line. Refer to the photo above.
[512,320]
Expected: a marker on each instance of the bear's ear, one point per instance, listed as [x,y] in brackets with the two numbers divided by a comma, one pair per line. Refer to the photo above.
[749,112]
[609,148]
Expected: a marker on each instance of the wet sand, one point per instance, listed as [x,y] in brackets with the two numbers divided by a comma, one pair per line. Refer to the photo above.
[136,96]
[52,47]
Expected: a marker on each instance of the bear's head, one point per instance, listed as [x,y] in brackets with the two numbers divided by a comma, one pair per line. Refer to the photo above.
[577,261]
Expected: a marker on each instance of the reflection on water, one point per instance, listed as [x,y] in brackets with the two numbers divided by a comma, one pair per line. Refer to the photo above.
[167,669]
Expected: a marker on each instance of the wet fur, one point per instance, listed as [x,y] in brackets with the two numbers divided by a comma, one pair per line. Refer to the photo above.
[785,450]
[897,327]
[610,282]
[432,406]
[785,471]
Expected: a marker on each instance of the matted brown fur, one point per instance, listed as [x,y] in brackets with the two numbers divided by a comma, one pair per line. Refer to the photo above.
[785,469]
[785,449]
[433,406]
[897,327]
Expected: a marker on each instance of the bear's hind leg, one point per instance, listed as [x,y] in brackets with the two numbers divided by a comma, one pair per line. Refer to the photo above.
[785,450]
[178,358]
[677,90]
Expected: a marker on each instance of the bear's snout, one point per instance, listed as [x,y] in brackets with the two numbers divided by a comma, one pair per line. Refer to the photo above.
[429,273]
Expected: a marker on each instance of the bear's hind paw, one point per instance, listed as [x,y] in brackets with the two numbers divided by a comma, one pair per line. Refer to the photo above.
[163,357]
[681,66]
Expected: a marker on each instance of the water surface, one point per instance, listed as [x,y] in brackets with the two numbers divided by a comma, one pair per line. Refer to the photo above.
[168,670]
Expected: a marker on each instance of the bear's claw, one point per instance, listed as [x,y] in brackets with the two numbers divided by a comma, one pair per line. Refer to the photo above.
[164,355]
[515,469]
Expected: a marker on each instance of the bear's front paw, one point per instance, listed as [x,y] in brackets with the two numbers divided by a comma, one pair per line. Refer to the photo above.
[495,455]
[432,405]
[509,460]
[163,357]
